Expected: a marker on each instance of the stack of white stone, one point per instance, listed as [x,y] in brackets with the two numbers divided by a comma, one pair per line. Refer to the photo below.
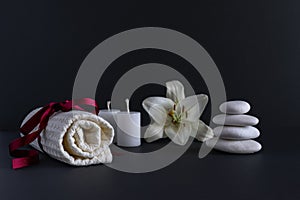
[237,134]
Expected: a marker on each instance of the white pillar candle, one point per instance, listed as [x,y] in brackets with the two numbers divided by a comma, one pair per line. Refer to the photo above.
[129,128]
[110,116]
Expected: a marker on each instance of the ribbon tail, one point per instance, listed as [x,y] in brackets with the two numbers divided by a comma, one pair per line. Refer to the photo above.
[31,159]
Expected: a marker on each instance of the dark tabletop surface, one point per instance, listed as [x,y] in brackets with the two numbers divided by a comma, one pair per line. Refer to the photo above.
[272,173]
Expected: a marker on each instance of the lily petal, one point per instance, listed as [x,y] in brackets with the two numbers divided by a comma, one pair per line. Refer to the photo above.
[164,102]
[192,107]
[179,134]
[154,132]
[194,130]
[175,91]
[158,108]
[204,132]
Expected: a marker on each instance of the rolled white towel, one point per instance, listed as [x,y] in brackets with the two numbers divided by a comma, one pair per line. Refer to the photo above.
[76,137]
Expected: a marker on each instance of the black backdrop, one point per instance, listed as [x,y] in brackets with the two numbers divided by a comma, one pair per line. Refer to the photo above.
[255,44]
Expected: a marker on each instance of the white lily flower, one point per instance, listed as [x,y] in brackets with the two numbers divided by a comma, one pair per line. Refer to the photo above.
[176,116]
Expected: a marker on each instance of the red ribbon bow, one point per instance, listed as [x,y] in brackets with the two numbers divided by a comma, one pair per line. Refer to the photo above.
[28,157]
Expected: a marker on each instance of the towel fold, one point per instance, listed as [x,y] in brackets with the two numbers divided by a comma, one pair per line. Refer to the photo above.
[76,137]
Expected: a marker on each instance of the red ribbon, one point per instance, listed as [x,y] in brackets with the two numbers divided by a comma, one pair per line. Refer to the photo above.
[29,157]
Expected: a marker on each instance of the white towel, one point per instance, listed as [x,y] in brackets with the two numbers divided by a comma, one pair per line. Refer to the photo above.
[76,137]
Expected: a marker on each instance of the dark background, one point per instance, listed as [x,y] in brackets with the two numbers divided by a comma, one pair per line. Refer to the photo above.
[255,44]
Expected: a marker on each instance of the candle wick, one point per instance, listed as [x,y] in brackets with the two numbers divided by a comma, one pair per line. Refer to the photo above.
[108,105]
[127,105]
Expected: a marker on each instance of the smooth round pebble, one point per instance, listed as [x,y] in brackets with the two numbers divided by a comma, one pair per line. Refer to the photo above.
[234,146]
[236,132]
[235,120]
[235,107]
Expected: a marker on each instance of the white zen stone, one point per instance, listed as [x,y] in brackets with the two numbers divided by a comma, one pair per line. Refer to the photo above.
[234,146]
[235,107]
[236,132]
[235,120]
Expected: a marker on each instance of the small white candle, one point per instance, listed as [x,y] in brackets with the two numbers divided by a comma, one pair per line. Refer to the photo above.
[110,116]
[129,128]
